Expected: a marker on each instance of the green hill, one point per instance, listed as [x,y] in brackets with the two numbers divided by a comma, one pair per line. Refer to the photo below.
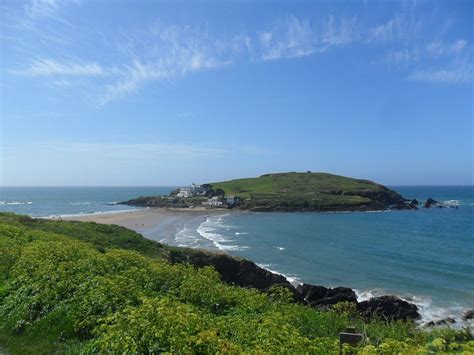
[69,287]
[309,192]
[291,192]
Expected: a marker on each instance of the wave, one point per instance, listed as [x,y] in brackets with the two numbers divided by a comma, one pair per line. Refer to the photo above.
[241,233]
[281,248]
[208,230]
[451,203]
[16,202]
[185,238]
[293,279]
[428,311]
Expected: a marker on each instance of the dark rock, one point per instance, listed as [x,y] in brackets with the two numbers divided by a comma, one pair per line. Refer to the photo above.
[444,321]
[245,273]
[321,297]
[235,271]
[468,315]
[430,202]
[390,307]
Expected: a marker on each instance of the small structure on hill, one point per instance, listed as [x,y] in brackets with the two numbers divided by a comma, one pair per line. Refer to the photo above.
[184,192]
[231,201]
[213,201]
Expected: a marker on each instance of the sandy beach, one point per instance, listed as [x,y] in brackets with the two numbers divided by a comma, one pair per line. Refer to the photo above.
[160,224]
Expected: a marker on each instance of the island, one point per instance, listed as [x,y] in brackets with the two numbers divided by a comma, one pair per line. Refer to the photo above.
[285,192]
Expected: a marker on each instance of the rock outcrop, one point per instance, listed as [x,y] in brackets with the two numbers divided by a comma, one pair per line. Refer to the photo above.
[245,273]
[468,315]
[444,321]
[322,297]
[233,270]
[389,307]
[431,202]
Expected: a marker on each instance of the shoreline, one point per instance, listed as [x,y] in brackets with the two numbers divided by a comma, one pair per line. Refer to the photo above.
[164,224]
[146,213]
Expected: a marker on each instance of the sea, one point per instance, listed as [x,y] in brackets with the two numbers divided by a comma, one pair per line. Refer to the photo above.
[424,256]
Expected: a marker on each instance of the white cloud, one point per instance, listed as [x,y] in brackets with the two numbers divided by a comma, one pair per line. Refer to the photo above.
[40,8]
[455,75]
[399,28]
[52,67]
[291,38]
[166,53]
[435,62]
[338,32]
[438,48]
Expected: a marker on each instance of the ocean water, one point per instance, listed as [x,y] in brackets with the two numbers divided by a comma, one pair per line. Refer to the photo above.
[424,256]
[51,201]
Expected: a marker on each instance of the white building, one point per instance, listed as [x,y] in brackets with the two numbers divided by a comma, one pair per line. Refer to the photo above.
[184,192]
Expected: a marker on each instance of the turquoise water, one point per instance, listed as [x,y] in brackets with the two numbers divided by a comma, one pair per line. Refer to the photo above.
[425,256]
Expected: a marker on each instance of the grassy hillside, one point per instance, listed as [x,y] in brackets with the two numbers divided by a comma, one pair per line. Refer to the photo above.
[84,288]
[309,191]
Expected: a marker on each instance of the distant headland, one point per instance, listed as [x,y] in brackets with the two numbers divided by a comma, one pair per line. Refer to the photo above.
[284,192]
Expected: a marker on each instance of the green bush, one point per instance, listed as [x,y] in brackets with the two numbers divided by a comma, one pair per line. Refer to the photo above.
[62,294]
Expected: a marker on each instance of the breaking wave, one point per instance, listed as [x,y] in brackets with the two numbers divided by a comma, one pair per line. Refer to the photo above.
[293,279]
[15,202]
[209,230]
[428,311]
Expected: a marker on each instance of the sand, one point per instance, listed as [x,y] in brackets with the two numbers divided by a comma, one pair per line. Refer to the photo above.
[160,224]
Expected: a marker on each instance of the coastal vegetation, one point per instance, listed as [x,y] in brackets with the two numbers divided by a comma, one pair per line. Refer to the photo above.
[76,287]
[291,192]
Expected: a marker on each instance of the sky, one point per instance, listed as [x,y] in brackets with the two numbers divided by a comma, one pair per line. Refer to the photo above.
[132,93]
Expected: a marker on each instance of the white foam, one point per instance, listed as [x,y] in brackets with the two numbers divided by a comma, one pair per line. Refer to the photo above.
[208,230]
[15,202]
[185,238]
[280,248]
[428,311]
[293,279]
[451,203]
[240,233]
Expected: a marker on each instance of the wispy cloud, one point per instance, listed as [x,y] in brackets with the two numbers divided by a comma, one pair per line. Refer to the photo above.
[401,27]
[438,48]
[137,151]
[39,8]
[291,38]
[52,67]
[436,62]
[165,53]
[340,31]
[461,72]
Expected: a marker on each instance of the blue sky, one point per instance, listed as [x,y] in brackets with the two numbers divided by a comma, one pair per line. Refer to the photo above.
[166,93]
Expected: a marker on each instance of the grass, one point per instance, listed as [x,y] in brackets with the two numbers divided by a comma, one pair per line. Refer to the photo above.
[308,191]
[295,183]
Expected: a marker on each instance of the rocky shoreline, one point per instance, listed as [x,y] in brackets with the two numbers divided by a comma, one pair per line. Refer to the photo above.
[245,273]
